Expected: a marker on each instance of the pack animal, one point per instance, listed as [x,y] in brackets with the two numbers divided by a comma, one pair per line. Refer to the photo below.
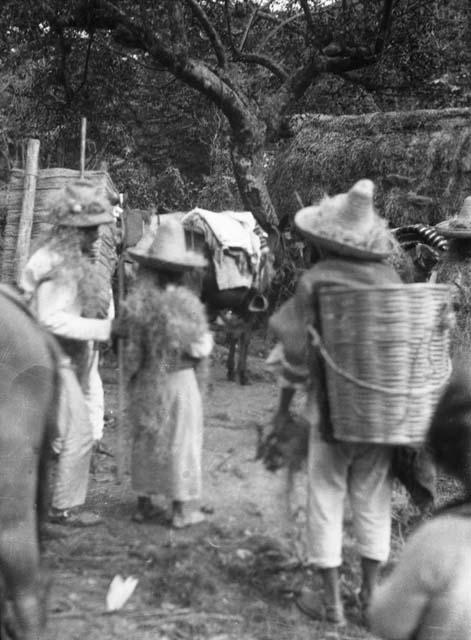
[28,388]
[238,309]
[423,245]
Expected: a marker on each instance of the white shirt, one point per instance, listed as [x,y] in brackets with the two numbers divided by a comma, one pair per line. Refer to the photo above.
[55,300]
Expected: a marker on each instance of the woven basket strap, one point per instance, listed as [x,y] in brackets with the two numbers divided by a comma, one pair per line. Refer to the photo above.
[317,343]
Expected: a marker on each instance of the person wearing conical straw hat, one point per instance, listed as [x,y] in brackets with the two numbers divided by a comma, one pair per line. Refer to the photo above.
[455,268]
[167,346]
[60,282]
[353,243]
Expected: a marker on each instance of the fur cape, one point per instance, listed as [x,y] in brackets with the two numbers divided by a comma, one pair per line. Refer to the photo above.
[160,326]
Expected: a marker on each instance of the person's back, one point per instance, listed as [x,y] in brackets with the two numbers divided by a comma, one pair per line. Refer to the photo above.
[428,595]
[353,243]
[289,323]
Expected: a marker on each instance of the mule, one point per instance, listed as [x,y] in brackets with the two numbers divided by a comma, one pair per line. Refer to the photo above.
[28,400]
[237,310]
[424,246]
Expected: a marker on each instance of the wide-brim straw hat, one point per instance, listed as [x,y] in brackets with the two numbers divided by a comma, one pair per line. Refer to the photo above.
[460,225]
[347,224]
[82,204]
[168,250]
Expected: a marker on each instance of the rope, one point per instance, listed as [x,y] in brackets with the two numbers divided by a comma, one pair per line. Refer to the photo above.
[417,391]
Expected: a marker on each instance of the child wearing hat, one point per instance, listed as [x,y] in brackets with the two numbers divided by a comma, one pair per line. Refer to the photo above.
[428,594]
[353,243]
[59,281]
[168,343]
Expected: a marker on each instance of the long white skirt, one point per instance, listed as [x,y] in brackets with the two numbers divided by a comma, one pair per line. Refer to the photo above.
[168,462]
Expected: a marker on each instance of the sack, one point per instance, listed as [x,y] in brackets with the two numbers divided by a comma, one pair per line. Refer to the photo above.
[286,446]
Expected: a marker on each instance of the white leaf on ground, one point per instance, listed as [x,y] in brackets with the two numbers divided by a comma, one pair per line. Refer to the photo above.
[119,592]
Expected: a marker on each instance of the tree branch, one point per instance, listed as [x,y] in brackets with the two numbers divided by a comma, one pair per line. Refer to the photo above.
[87,61]
[271,18]
[384,26]
[343,64]
[177,24]
[278,27]
[252,58]
[195,73]
[308,14]
[229,26]
[63,72]
[247,29]
[202,17]
[264,61]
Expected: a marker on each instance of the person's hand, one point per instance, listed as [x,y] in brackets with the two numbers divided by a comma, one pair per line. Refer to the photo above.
[279,420]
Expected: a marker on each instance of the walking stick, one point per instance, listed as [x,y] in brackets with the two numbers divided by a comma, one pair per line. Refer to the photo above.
[83,142]
[120,444]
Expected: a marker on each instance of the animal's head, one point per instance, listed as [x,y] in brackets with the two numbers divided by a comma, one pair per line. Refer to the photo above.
[425,259]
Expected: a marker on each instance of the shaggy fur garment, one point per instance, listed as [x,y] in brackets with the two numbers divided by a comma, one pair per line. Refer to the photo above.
[160,325]
[76,267]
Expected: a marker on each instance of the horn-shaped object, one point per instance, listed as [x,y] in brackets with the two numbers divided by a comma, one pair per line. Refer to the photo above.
[258,304]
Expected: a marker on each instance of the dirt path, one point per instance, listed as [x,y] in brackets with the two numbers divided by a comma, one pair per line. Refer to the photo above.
[230,578]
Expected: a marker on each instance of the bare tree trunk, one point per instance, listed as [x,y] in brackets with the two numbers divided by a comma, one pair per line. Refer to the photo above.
[247,154]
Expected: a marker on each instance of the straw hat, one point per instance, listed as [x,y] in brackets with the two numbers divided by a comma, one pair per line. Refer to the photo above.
[347,224]
[82,204]
[460,225]
[168,250]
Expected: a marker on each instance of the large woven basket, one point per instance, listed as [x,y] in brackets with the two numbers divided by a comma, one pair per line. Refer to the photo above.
[386,353]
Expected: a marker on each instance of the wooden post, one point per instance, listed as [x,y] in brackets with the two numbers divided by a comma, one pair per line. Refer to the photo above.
[83,142]
[120,443]
[27,207]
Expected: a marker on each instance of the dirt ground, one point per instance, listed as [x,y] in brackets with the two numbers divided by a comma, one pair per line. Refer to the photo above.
[232,577]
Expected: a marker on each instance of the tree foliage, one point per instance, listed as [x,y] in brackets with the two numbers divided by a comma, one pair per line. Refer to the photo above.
[250,61]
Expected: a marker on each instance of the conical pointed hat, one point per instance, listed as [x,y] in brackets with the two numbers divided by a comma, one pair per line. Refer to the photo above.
[347,224]
[168,250]
[460,225]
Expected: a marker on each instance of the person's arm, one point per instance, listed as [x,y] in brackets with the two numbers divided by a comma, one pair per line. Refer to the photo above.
[201,351]
[40,264]
[398,604]
[52,304]
[202,347]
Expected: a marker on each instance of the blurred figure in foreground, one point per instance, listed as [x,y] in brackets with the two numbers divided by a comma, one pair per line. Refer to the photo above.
[428,595]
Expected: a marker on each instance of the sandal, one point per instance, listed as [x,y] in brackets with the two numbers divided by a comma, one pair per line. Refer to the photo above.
[317,610]
[149,513]
[74,519]
[100,449]
[180,521]
[146,510]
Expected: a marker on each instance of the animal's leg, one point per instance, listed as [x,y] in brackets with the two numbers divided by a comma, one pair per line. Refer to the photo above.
[19,562]
[244,341]
[232,341]
[43,494]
